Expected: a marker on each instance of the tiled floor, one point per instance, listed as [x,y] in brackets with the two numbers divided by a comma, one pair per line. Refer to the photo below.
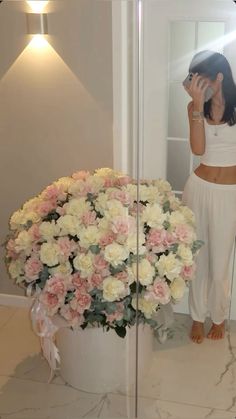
[185,380]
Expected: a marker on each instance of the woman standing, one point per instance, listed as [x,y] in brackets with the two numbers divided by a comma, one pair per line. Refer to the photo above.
[211,189]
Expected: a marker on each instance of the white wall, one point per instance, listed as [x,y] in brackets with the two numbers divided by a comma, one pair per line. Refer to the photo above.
[55,102]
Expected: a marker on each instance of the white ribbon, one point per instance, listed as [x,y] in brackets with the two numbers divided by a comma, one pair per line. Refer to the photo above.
[44,327]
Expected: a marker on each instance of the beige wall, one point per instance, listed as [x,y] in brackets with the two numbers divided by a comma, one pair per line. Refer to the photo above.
[55,102]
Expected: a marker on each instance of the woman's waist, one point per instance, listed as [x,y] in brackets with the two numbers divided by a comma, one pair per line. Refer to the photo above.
[217,174]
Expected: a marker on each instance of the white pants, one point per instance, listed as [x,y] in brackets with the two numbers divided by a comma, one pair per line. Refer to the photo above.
[214,206]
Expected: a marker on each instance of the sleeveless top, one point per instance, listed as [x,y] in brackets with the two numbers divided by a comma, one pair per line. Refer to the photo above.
[220,146]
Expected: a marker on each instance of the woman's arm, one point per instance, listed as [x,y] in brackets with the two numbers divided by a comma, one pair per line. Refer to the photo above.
[197,90]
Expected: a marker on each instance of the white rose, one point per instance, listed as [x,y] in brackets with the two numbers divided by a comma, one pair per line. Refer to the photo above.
[115,254]
[132,191]
[162,185]
[16,268]
[169,266]
[101,202]
[175,202]
[48,230]
[149,193]
[113,289]
[49,254]
[77,188]
[69,225]
[107,172]
[188,214]
[77,207]
[115,208]
[89,236]
[131,243]
[175,218]
[185,254]
[64,183]
[95,183]
[177,288]
[32,204]
[64,269]
[153,215]
[104,225]
[84,264]
[17,219]
[146,272]
[23,242]
[147,307]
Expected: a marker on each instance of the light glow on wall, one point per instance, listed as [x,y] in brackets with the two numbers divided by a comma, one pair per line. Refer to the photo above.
[37,6]
[39,42]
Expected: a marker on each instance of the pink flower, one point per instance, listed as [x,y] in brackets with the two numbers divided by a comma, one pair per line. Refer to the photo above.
[96,280]
[81,175]
[54,193]
[61,210]
[122,196]
[89,218]
[117,315]
[159,240]
[72,316]
[34,232]
[183,233]
[32,268]
[66,246]
[80,302]
[159,291]
[108,238]
[123,276]
[51,302]
[79,283]
[109,182]
[100,263]
[123,225]
[46,207]
[56,285]
[11,252]
[188,271]
[124,180]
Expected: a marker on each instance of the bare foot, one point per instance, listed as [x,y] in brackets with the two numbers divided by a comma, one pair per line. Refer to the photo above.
[197,332]
[217,331]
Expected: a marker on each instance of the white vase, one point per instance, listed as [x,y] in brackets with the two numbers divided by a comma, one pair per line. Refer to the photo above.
[98,361]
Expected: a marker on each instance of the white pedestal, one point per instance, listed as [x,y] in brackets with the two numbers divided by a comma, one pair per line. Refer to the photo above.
[97,361]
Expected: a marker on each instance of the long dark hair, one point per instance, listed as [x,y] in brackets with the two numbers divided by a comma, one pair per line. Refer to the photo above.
[209,64]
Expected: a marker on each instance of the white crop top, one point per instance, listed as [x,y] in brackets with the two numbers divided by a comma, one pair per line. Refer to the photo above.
[220,148]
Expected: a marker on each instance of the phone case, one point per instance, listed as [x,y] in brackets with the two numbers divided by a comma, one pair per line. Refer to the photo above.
[208,93]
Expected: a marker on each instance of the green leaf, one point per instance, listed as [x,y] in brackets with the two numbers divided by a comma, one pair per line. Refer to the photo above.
[95,249]
[121,331]
[166,206]
[166,225]
[117,269]
[197,244]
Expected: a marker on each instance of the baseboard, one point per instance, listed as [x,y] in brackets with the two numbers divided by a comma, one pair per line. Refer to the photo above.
[15,300]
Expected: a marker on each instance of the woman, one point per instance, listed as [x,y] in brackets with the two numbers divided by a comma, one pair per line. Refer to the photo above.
[211,189]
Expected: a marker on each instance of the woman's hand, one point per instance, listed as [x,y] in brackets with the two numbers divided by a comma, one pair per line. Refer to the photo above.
[197,89]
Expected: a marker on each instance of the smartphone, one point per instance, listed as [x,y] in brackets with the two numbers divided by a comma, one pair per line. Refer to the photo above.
[209,91]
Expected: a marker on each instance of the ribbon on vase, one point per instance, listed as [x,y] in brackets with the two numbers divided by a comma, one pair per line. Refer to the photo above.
[44,327]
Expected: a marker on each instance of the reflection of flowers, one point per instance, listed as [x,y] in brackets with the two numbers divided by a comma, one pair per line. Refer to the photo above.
[76,243]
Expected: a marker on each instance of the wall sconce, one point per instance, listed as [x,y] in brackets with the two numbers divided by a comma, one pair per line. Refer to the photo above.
[37,23]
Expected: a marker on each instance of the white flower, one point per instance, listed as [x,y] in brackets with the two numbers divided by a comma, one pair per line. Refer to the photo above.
[146,272]
[49,254]
[107,172]
[77,207]
[132,191]
[131,243]
[113,289]
[84,264]
[101,202]
[114,209]
[153,215]
[146,306]
[64,182]
[16,268]
[23,242]
[177,288]
[115,254]
[49,229]
[162,185]
[175,218]
[89,236]
[69,225]
[149,193]
[188,214]
[185,254]
[64,269]
[169,266]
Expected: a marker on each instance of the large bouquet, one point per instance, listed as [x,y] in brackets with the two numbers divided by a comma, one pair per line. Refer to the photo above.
[75,245]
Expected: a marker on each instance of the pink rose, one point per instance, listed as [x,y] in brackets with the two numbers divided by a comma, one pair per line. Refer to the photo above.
[79,283]
[106,239]
[122,196]
[80,302]
[159,291]
[61,210]
[96,280]
[66,246]
[46,207]
[51,302]
[54,193]
[89,218]
[188,271]
[100,263]
[183,233]
[123,180]
[11,252]
[123,225]
[109,182]
[81,175]
[72,316]
[122,276]
[56,285]
[32,268]
[34,232]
